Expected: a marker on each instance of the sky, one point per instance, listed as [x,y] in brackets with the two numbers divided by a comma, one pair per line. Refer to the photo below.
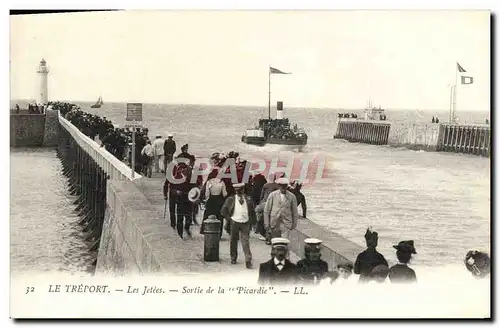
[338,59]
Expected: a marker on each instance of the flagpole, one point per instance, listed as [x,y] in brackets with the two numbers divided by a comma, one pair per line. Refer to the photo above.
[269,99]
[455,95]
[451,101]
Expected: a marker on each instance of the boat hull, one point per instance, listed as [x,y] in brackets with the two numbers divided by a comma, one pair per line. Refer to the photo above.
[262,141]
[287,142]
[258,141]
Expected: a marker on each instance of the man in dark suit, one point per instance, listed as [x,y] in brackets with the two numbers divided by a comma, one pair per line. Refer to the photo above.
[238,209]
[278,270]
[301,199]
[312,268]
[169,149]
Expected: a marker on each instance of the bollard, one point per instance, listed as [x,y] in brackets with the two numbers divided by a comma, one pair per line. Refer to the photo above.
[212,238]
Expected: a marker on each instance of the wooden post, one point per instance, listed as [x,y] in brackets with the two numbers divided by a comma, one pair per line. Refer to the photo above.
[477,140]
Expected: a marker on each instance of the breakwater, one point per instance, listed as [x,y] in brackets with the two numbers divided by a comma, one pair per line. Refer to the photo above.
[121,217]
[467,139]
[88,168]
[374,133]
[34,130]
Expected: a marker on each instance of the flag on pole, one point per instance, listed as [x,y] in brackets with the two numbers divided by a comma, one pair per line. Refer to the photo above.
[467,79]
[273,70]
[460,68]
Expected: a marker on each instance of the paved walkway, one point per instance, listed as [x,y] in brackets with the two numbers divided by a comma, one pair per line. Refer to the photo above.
[153,190]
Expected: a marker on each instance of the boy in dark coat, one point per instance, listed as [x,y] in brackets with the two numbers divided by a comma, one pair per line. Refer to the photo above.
[312,269]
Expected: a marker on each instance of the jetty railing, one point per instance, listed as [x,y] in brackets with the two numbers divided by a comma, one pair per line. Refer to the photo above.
[457,138]
[113,167]
[467,139]
[360,130]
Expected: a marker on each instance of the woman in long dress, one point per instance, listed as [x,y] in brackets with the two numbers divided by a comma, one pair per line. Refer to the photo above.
[215,194]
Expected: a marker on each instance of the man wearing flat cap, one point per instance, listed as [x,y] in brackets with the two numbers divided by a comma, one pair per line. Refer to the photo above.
[280,212]
[312,269]
[278,270]
[369,258]
[401,273]
[239,210]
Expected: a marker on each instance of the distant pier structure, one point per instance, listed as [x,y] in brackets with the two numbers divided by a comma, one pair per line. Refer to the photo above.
[458,138]
[43,73]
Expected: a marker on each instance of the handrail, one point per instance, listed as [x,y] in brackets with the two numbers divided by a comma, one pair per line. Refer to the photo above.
[116,169]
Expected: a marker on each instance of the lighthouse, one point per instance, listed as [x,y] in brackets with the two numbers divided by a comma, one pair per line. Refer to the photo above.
[43,72]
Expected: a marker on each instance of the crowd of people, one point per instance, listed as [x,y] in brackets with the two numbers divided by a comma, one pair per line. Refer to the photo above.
[280,129]
[269,208]
[115,140]
[382,117]
[370,265]
[34,108]
[347,115]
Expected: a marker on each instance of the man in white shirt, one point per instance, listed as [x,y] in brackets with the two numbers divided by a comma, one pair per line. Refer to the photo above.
[159,154]
[147,154]
[239,210]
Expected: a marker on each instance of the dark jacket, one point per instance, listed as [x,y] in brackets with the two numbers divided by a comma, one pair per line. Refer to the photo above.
[258,182]
[401,273]
[269,274]
[228,208]
[181,189]
[169,146]
[366,261]
[301,200]
[307,269]
[186,155]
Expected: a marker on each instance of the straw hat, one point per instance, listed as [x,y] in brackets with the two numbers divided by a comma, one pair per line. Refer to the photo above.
[194,194]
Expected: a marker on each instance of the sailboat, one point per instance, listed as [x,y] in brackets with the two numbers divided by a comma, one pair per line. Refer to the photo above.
[98,104]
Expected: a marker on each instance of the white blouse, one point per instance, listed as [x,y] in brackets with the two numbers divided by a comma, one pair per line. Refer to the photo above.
[215,187]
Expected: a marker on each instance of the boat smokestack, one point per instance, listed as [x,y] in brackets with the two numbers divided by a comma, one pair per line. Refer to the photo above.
[279,110]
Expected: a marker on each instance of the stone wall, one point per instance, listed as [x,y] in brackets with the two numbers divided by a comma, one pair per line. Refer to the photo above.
[34,130]
[336,249]
[136,241]
[26,130]
[51,129]
[414,136]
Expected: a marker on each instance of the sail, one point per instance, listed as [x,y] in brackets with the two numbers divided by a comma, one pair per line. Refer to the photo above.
[98,103]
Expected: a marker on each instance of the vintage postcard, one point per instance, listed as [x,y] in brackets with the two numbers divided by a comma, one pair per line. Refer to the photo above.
[215,163]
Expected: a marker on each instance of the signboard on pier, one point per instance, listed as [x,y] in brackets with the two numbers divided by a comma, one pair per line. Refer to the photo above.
[134,112]
[134,119]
